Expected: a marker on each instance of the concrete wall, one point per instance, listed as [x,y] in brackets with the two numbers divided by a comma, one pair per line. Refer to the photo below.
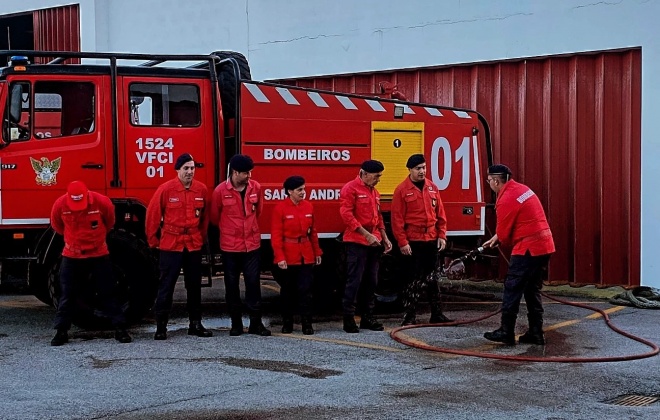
[309,37]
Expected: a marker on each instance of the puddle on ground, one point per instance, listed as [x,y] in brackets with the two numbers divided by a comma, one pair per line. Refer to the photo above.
[304,371]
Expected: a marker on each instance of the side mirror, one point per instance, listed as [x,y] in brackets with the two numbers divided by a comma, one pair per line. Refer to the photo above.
[16,103]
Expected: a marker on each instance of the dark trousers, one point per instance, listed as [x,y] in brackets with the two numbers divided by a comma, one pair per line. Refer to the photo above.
[524,278]
[361,278]
[417,268]
[75,281]
[296,284]
[247,263]
[171,263]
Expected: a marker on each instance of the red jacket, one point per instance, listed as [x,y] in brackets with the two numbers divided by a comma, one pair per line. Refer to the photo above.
[237,220]
[521,221]
[293,235]
[180,214]
[84,231]
[359,206]
[418,215]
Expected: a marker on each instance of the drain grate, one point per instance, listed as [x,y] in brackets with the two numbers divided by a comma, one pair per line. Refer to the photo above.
[633,400]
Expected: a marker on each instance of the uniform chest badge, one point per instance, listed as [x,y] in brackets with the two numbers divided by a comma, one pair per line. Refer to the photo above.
[197,213]
[434,202]
[46,170]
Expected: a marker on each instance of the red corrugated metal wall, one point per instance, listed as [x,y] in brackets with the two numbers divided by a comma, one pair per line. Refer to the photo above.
[569,127]
[57,29]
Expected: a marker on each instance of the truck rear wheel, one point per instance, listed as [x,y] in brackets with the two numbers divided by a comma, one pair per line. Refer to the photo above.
[135,271]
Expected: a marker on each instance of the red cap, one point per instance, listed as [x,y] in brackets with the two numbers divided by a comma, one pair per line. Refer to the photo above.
[76,195]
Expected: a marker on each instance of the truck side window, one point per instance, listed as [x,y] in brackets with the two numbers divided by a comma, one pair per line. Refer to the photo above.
[16,124]
[171,105]
[63,109]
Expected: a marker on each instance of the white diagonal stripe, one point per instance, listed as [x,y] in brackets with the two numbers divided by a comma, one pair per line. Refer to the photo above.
[287,96]
[375,105]
[256,93]
[407,110]
[433,111]
[462,114]
[346,102]
[317,99]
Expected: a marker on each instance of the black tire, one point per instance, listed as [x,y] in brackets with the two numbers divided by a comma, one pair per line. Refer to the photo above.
[135,271]
[50,244]
[135,268]
[329,278]
[390,283]
[227,80]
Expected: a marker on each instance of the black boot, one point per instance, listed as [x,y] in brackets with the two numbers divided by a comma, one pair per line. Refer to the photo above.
[122,336]
[287,324]
[307,328]
[349,324]
[236,325]
[196,328]
[257,327]
[409,318]
[501,336]
[506,333]
[369,322]
[535,333]
[437,317]
[61,337]
[161,329]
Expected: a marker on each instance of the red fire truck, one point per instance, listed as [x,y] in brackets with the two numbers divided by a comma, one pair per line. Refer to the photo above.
[118,121]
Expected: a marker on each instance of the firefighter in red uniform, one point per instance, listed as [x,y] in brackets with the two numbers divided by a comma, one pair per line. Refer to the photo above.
[522,225]
[364,236]
[296,250]
[419,226]
[84,218]
[177,224]
[236,206]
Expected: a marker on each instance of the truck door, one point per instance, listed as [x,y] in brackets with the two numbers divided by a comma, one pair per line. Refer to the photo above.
[161,119]
[56,139]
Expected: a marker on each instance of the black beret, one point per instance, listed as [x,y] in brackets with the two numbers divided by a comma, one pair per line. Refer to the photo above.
[293,182]
[415,160]
[182,160]
[372,166]
[499,170]
[241,163]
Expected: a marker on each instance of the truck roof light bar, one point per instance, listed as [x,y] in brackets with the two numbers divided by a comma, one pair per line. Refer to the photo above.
[18,60]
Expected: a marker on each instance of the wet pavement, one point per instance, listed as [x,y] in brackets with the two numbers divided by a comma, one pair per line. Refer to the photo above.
[329,375]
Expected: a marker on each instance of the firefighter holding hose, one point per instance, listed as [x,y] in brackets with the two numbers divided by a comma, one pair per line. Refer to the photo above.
[521,225]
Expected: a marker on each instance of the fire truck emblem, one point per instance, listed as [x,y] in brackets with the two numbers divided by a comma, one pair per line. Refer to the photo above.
[46,170]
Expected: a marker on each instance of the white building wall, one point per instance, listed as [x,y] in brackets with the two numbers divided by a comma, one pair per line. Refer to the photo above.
[288,38]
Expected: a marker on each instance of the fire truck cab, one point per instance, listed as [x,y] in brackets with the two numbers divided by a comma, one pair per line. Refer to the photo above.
[119,128]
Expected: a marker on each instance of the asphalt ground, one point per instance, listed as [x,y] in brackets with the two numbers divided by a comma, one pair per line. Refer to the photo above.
[329,375]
